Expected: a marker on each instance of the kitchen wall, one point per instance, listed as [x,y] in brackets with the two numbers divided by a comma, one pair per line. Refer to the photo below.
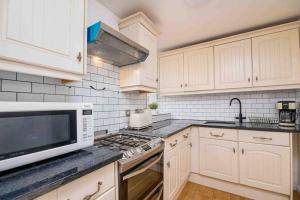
[216,106]
[109,104]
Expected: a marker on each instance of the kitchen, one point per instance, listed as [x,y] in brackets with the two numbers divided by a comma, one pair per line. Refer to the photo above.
[139,100]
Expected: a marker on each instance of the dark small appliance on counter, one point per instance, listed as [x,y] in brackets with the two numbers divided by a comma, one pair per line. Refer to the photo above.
[287,113]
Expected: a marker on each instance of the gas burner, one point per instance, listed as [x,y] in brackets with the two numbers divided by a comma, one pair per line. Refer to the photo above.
[131,145]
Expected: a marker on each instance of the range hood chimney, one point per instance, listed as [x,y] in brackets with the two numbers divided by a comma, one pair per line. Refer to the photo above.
[113,47]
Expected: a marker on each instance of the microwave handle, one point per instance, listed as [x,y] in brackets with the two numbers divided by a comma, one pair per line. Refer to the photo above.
[142,170]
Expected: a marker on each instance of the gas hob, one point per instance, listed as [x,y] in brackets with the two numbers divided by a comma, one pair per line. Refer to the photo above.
[135,148]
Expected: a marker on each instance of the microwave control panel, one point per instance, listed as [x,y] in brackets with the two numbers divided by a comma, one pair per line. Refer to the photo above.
[87,125]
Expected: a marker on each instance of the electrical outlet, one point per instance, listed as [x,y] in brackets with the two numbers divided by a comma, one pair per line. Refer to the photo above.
[127,113]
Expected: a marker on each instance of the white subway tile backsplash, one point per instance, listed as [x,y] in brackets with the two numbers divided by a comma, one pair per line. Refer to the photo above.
[43,88]
[8,75]
[30,78]
[216,106]
[16,86]
[106,102]
[8,96]
[54,98]
[29,97]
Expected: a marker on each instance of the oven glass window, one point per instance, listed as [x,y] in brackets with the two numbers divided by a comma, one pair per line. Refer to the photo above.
[141,185]
[28,132]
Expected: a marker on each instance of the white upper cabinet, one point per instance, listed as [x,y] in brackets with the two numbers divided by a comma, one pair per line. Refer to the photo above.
[265,166]
[199,69]
[141,76]
[47,36]
[171,73]
[233,65]
[276,58]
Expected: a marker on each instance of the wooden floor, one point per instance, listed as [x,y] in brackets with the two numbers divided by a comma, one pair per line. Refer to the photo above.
[194,191]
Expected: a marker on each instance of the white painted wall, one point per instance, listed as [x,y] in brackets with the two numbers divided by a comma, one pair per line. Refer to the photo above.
[97,12]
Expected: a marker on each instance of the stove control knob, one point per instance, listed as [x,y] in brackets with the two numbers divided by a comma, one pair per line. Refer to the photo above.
[139,150]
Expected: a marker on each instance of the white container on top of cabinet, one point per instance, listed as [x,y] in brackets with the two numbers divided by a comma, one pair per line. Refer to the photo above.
[266,59]
[141,76]
[45,37]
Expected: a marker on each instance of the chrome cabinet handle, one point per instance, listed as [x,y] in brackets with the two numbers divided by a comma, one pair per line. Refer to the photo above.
[243,151]
[79,57]
[181,85]
[91,196]
[186,136]
[216,135]
[249,79]
[174,144]
[168,164]
[256,78]
[262,138]
[233,150]
[191,145]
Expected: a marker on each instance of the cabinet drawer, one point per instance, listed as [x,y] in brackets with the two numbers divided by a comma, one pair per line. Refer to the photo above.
[87,185]
[175,140]
[262,137]
[109,195]
[218,133]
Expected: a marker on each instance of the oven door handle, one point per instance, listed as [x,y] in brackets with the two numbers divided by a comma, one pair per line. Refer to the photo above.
[142,170]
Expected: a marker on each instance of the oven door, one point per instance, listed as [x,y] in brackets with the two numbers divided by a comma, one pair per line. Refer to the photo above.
[143,182]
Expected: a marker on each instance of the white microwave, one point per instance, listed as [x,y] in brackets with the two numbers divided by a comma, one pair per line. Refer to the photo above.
[34,131]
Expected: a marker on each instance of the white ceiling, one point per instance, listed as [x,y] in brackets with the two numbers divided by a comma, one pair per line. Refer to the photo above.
[184,22]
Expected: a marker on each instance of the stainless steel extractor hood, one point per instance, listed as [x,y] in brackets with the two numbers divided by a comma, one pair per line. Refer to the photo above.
[113,47]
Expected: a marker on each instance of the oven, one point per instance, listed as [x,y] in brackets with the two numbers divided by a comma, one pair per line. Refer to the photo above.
[143,181]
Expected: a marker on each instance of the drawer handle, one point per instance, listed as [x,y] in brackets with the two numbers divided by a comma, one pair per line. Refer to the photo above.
[216,135]
[262,138]
[186,136]
[233,150]
[174,144]
[191,145]
[79,57]
[92,196]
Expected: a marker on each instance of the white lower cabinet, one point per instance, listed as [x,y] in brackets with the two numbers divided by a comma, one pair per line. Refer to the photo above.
[98,185]
[219,159]
[177,164]
[171,174]
[265,167]
[109,195]
[195,158]
[184,162]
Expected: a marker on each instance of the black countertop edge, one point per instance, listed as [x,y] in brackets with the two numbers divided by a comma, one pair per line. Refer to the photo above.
[167,128]
[37,179]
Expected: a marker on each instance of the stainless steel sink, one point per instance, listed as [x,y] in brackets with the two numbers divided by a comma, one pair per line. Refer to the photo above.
[220,123]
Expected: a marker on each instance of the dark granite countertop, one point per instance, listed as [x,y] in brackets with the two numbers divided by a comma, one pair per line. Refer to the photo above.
[168,128]
[34,180]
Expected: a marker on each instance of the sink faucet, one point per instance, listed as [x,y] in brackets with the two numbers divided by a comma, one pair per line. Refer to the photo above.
[240,117]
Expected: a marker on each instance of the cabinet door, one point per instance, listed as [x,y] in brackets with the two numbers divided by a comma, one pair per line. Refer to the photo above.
[44,33]
[265,166]
[109,195]
[219,159]
[185,161]
[149,66]
[195,139]
[171,73]
[171,174]
[276,59]
[199,69]
[233,65]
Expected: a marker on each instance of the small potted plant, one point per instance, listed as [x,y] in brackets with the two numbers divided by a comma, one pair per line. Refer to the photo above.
[153,106]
